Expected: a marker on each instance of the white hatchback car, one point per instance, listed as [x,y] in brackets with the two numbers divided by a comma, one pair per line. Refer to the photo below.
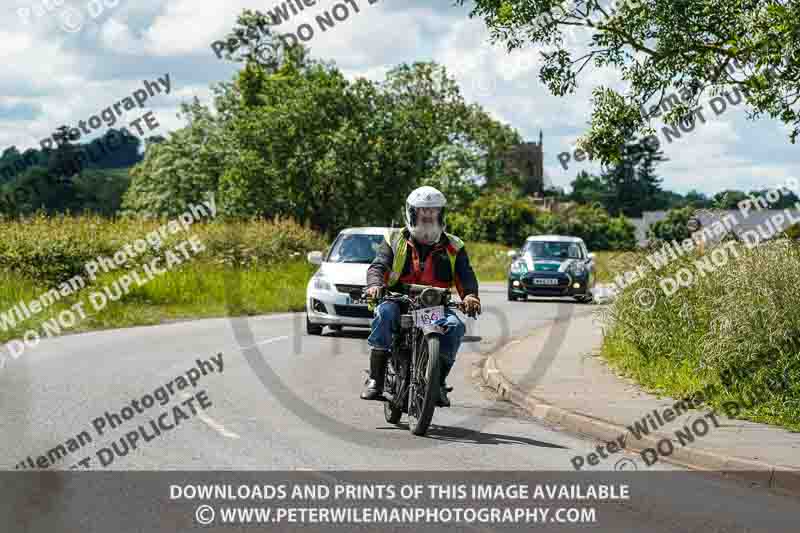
[333,293]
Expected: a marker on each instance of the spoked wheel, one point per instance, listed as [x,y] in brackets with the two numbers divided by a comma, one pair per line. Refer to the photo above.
[392,411]
[424,390]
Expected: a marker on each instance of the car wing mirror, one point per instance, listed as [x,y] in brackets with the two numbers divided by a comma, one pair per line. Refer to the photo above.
[315,257]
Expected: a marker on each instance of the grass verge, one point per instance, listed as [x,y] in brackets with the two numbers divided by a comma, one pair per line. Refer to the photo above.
[489,261]
[197,290]
[738,317]
[610,264]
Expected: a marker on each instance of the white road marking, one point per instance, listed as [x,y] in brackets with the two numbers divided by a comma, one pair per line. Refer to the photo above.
[266,341]
[213,424]
[210,422]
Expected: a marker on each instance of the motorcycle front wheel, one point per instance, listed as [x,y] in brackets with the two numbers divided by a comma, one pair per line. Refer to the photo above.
[424,386]
[392,410]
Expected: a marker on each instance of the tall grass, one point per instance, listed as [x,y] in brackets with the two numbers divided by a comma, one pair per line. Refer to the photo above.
[50,250]
[608,265]
[246,268]
[490,261]
[743,317]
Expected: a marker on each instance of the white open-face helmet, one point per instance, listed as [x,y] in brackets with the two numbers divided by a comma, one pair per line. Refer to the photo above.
[425,197]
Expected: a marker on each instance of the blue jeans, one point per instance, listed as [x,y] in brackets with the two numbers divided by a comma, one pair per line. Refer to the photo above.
[387,321]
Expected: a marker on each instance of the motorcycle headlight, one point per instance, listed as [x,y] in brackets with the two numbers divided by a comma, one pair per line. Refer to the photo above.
[430,297]
[519,267]
[321,284]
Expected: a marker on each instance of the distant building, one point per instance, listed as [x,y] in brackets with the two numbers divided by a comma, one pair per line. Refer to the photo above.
[526,160]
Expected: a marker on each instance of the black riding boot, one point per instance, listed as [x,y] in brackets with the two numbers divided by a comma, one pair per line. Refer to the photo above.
[377,375]
[444,401]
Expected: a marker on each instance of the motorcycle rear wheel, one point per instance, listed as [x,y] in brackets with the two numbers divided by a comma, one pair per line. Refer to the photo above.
[424,391]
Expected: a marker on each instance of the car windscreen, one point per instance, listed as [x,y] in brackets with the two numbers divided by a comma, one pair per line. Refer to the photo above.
[355,248]
[554,250]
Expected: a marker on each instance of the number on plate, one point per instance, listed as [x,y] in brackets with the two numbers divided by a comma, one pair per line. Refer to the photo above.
[427,316]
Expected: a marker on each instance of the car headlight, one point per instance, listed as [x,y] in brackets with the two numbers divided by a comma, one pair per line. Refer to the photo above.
[321,284]
[519,267]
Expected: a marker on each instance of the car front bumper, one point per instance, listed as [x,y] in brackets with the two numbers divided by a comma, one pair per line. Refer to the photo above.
[557,284]
[333,308]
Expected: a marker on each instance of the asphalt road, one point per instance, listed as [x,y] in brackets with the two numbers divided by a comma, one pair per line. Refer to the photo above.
[289,401]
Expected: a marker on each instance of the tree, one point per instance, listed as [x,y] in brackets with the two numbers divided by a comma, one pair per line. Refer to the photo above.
[787,200]
[492,140]
[660,46]
[252,41]
[174,174]
[43,189]
[495,217]
[588,189]
[632,186]
[101,191]
[594,225]
[674,227]
[649,184]
[300,140]
[114,149]
[65,161]
[698,200]
[728,199]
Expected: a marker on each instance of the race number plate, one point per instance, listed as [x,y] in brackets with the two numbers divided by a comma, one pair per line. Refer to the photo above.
[427,316]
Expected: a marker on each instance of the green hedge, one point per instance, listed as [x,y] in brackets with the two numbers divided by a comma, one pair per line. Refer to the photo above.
[594,225]
[674,227]
[507,220]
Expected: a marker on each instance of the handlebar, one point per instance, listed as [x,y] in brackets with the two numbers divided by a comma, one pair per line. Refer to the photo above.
[398,296]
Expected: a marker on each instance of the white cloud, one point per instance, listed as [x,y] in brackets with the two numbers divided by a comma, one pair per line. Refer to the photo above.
[187,26]
[117,37]
[73,75]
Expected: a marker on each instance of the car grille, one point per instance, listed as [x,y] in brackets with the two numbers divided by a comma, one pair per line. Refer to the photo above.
[546,291]
[347,289]
[353,311]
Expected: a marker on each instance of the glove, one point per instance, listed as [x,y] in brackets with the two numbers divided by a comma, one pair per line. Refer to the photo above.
[373,293]
[472,305]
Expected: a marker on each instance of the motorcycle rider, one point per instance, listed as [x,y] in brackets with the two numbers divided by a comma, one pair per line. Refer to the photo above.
[423,254]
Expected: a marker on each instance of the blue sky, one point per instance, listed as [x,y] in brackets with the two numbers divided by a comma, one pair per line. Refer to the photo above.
[70,61]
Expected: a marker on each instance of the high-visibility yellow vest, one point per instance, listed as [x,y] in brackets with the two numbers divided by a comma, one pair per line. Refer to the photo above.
[399,246]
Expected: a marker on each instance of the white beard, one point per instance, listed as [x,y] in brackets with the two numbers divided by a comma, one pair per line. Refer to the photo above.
[427,233]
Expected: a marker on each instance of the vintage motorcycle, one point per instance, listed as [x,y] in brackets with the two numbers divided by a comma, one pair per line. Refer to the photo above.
[412,373]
